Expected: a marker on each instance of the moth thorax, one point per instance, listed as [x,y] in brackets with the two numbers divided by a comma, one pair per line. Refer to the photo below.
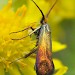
[43,21]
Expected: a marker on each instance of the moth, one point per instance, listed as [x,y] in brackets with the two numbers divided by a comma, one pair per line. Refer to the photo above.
[44,63]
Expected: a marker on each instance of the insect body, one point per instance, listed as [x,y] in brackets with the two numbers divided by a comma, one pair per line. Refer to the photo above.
[44,64]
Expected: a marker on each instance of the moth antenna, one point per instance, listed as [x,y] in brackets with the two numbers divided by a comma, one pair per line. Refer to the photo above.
[39,9]
[51,9]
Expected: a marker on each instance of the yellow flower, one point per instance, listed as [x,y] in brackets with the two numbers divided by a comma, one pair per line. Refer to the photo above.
[59,67]
[10,50]
[57,46]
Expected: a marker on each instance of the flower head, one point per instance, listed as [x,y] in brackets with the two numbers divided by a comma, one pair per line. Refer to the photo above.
[10,50]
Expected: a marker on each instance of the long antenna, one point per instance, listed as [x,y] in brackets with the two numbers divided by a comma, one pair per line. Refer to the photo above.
[51,9]
[40,10]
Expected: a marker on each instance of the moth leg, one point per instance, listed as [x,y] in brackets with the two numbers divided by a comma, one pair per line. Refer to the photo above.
[26,55]
[31,52]
[35,30]
[23,29]
[20,30]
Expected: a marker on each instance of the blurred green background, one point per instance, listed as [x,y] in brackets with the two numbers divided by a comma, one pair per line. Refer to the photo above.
[61,20]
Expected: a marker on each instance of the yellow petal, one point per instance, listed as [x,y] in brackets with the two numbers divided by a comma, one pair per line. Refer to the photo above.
[13,70]
[1,70]
[56,46]
[61,69]
[8,53]
[21,11]
[57,64]
[8,6]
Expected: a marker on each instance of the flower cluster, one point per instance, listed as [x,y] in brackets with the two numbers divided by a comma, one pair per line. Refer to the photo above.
[10,50]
